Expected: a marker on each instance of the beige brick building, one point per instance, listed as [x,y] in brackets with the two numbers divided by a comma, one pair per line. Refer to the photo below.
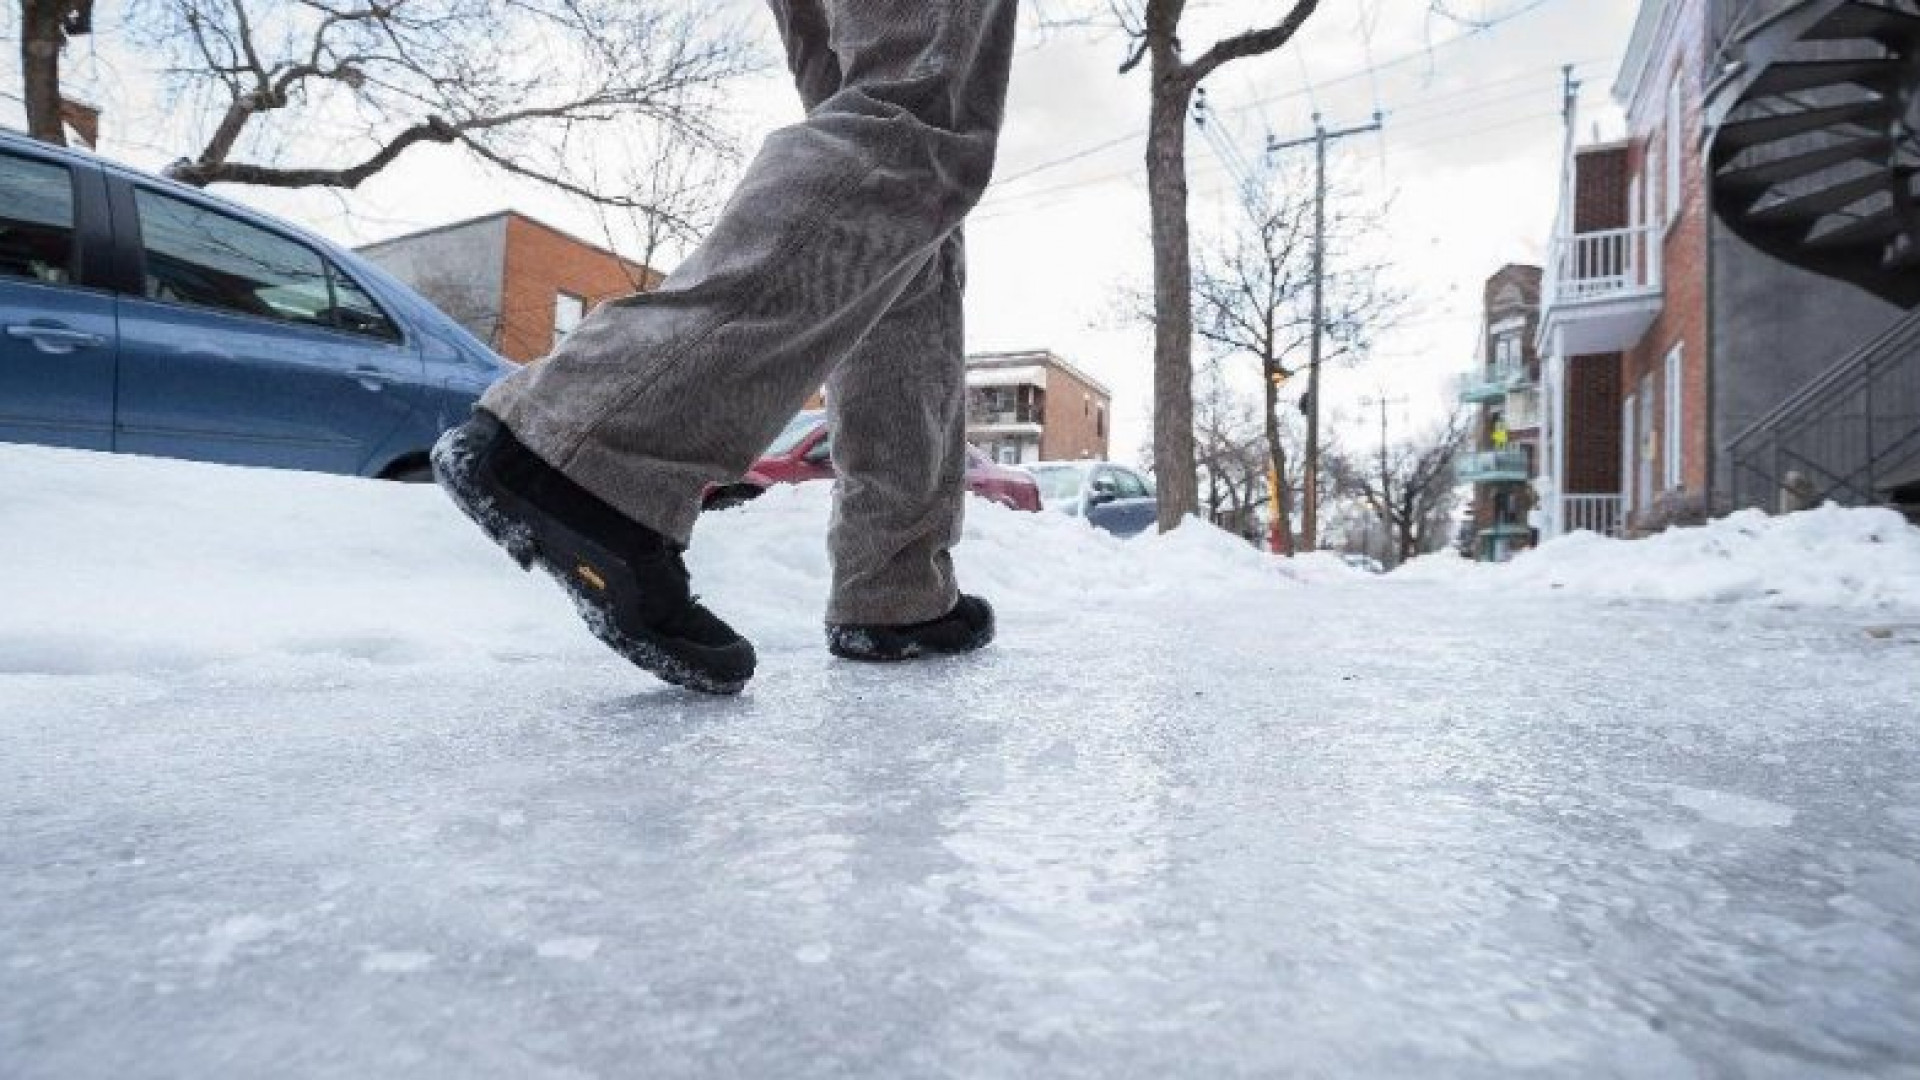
[1032,405]
[516,283]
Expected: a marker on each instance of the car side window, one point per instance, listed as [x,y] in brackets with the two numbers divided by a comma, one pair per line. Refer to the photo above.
[206,259]
[355,311]
[1128,485]
[36,220]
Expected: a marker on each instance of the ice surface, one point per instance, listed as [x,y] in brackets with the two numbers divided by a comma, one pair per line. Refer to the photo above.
[299,777]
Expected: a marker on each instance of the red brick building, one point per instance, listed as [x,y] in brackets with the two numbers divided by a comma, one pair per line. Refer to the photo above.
[1505,384]
[516,283]
[1034,406]
[1730,314]
[1624,320]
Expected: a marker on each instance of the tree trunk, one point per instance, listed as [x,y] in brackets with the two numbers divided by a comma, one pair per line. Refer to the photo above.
[1172,291]
[41,39]
[1277,458]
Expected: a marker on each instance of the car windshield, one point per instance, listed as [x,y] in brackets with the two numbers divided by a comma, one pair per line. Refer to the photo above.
[797,428]
[1058,482]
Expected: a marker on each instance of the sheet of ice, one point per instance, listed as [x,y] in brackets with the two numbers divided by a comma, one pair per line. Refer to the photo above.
[300,778]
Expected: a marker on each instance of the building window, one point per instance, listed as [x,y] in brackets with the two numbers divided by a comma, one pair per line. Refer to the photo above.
[1674,150]
[1100,422]
[568,310]
[1650,190]
[1644,483]
[1671,437]
[1629,443]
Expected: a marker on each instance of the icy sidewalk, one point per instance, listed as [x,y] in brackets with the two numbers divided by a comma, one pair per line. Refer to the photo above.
[299,779]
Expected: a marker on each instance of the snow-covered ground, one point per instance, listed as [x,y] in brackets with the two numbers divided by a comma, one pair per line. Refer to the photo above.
[299,777]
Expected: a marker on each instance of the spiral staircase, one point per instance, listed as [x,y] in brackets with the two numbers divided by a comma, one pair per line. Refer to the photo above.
[1814,122]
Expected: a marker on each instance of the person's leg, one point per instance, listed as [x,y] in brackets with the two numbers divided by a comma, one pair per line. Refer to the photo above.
[898,412]
[897,408]
[656,395]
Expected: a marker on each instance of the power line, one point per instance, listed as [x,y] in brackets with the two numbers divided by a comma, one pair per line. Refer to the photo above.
[1475,30]
[1000,205]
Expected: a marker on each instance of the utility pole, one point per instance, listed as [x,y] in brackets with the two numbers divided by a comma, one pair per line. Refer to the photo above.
[1310,404]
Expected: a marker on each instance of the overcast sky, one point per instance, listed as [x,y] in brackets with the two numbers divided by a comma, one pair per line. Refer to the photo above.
[1465,172]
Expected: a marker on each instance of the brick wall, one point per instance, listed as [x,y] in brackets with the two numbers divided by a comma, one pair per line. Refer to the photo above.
[1683,240]
[1593,424]
[1078,420]
[1600,189]
[541,263]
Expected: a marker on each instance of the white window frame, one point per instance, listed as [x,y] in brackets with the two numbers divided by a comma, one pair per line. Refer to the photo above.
[1629,445]
[1674,152]
[1643,457]
[1671,434]
[1650,189]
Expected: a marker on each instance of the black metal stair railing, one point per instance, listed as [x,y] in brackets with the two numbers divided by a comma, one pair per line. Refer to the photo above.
[1813,111]
[1844,438]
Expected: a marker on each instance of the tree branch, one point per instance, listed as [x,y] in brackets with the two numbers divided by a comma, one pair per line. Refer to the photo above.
[1253,42]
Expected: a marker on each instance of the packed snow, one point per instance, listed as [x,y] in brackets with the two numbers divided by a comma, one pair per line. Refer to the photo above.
[300,777]
[1830,557]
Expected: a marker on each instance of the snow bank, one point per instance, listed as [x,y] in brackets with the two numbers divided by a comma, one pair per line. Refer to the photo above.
[1830,557]
[118,563]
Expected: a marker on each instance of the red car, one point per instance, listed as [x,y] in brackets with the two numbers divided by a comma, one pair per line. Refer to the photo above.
[802,452]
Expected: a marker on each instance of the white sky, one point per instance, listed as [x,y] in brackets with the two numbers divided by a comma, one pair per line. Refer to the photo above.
[1466,168]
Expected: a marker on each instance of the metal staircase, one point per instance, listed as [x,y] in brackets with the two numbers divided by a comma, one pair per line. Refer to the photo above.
[1852,436]
[1816,137]
[1815,160]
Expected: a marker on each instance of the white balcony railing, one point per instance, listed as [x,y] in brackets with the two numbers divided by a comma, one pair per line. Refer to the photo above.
[1601,265]
[1594,513]
[1602,291]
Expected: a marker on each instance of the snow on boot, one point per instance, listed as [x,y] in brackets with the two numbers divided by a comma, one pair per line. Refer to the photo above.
[629,583]
[967,627]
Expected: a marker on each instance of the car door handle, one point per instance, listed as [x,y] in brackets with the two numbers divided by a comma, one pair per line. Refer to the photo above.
[56,339]
[372,378]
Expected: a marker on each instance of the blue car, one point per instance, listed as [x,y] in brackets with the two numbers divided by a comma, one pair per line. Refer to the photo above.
[142,316]
[1108,496]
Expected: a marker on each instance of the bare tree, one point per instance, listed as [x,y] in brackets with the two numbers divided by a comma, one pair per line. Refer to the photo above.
[1253,295]
[45,28]
[1154,36]
[1410,486]
[1230,451]
[464,300]
[327,93]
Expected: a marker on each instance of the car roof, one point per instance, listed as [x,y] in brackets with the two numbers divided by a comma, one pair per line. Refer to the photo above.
[13,139]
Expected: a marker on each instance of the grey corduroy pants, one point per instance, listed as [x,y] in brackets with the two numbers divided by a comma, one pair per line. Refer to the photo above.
[837,260]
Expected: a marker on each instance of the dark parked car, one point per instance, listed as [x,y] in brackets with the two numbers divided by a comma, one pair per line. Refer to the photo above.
[804,451]
[1111,497]
[142,316]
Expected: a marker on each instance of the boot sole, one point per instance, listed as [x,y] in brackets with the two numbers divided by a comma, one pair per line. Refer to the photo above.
[453,471]
[912,650]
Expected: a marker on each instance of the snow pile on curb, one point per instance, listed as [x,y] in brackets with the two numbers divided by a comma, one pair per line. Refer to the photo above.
[1830,557]
[119,563]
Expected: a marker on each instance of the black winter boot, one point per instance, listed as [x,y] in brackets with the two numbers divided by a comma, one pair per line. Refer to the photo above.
[628,581]
[967,627]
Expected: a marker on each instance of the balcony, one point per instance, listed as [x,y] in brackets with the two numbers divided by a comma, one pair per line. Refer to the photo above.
[1491,384]
[1604,514]
[1494,467]
[1602,290]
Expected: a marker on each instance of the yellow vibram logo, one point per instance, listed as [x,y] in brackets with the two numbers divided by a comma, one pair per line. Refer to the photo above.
[592,577]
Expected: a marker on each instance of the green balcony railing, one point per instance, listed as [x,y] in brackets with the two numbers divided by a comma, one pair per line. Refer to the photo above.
[1494,467]
[1490,385]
